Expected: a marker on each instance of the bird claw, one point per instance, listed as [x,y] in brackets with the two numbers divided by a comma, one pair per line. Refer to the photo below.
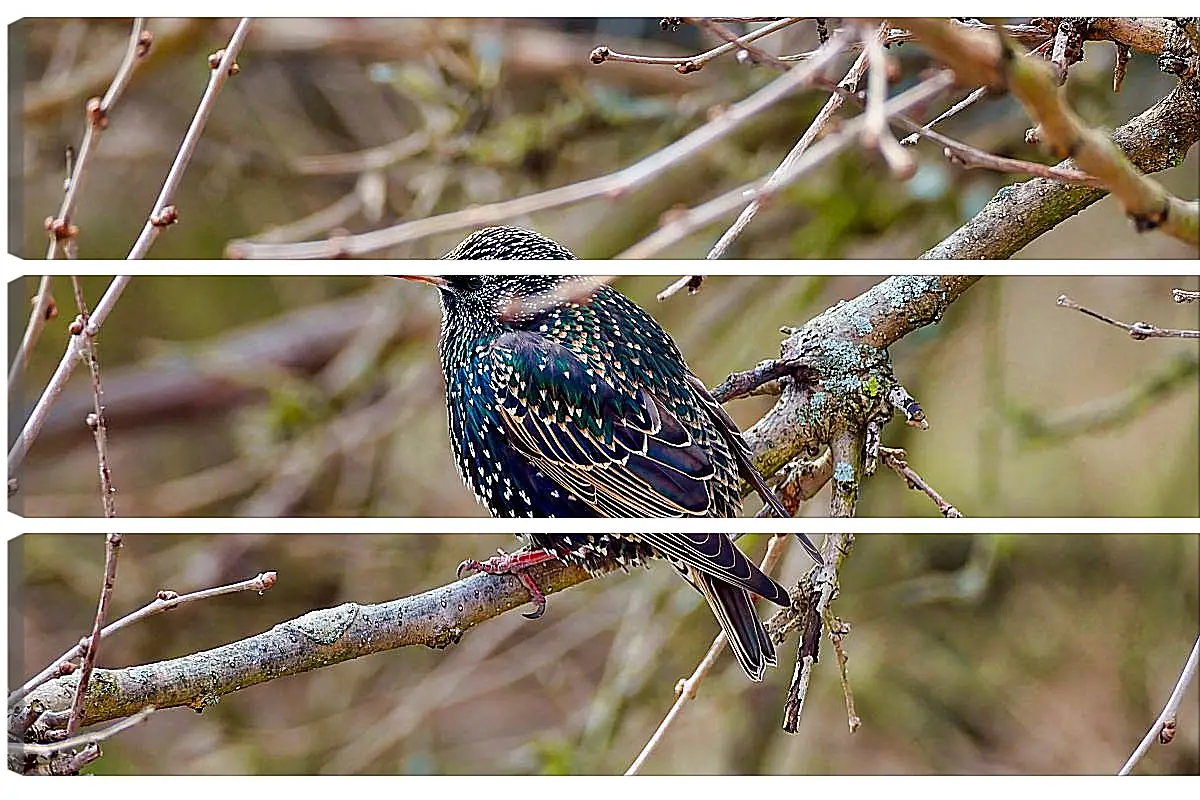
[470,565]
[517,565]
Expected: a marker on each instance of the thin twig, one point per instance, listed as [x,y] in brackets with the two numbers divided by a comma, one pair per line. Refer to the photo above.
[1136,330]
[694,63]
[896,458]
[835,548]
[163,213]
[166,600]
[981,58]
[610,186]
[820,121]
[961,105]
[43,311]
[690,282]
[1169,710]
[66,365]
[1185,296]
[875,132]
[838,631]
[96,420]
[98,111]
[92,737]
[112,548]
[705,214]
[686,689]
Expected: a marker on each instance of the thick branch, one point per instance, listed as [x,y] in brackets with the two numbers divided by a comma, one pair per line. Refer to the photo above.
[437,618]
[1155,140]
[842,355]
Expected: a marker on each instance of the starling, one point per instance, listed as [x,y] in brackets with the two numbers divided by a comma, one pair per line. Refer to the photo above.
[566,399]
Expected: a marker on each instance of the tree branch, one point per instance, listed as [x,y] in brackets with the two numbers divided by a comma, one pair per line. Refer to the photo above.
[437,618]
[1158,138]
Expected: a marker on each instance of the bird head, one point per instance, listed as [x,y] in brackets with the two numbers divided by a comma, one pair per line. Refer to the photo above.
[474,301]
[471,301]
[505,243]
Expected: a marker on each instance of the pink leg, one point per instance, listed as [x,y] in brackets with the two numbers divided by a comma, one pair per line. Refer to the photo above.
[515,564]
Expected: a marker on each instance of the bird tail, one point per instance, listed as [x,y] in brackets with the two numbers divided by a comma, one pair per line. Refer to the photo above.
[735,612]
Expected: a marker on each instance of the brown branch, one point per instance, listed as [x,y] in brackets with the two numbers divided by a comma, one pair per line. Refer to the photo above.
[437,618]
[687,688]
[75,346]
[897,459]
[96,419]
[43,311]
[1155,140]
[810,617]
[222,65]
[980,58]
[97,115]
[1136,330]
[165,600]
[696,62]
[112,548]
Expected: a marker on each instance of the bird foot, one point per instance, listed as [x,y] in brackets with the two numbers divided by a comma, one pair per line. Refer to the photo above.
[517,565]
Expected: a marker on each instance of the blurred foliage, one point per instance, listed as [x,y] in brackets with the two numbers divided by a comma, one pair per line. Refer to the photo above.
[357,426]
[491,109]
[1017,653]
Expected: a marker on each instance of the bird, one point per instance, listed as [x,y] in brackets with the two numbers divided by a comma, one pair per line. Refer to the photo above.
[566,399]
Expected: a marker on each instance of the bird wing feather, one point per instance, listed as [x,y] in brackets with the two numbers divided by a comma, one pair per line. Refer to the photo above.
[624,455]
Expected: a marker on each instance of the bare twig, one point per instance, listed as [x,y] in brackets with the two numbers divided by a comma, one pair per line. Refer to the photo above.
[820,121]
[66,366]
[98,110]
[43,311]
[684,66]
[875,132]
[96,420]
[687,688]
[1136,330]
[965,103]
[75,346]
[92,737]
[112,548]
[834,550]
[897,459]
[838,631]
[166,600]
[978,57]
[690,282]
[1169,710]
[613,185]
[1185,296]
[163,213]
[1155,140]
[707,213]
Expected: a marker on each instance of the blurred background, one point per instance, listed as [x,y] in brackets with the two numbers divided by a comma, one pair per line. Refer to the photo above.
[323,396]
[1003,654]
[351,125]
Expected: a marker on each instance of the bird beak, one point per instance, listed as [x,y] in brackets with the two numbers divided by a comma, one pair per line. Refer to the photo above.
[432,280]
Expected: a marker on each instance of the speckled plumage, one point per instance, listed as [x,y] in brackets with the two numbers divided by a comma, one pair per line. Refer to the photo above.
[565,399]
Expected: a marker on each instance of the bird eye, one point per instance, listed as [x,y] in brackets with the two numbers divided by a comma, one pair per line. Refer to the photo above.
[465,283]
